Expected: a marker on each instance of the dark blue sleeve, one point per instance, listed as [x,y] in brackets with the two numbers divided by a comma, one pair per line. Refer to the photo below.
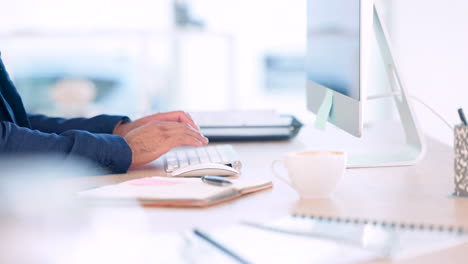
[110,152]
[98,124]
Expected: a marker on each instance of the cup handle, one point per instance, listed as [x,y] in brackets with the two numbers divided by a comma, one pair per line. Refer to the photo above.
[277,175]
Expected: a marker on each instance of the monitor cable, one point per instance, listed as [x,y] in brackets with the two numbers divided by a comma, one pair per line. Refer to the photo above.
[379,96]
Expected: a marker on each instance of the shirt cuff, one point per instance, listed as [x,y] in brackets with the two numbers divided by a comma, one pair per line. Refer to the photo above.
[107,123]
[119,155]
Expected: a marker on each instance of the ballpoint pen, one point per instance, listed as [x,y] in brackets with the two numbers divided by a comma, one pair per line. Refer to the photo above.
[216,180]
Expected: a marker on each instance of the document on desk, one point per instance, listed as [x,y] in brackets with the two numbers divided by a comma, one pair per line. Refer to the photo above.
[387,241]
[175,192]
[253,245]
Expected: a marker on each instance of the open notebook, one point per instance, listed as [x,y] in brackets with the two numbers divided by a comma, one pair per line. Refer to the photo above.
[255,245]
[386,239]
[177,192]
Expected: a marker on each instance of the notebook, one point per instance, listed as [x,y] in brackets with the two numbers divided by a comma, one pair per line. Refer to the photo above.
[386,239]
[175,192]
[254,245]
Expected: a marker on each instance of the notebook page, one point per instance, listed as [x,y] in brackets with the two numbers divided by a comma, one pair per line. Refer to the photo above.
[384,240]
[261,246]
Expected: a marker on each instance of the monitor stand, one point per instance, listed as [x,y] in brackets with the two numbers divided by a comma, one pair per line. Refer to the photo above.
[415,146]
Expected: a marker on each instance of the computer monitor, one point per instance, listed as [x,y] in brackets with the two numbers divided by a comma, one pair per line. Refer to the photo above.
[339,35]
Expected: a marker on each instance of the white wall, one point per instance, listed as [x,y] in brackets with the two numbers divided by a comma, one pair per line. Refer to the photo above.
[258,27]
[430,38]
[30,15]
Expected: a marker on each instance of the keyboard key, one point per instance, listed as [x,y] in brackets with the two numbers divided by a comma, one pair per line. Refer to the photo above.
[203,155]
[170,155]
[172,166]
[192,156]
[223,152]
[213,154]
[182,157]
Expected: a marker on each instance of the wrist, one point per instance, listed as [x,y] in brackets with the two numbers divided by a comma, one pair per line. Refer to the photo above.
[119,128]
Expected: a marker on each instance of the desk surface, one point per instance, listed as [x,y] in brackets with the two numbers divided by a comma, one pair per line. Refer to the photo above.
[415,194]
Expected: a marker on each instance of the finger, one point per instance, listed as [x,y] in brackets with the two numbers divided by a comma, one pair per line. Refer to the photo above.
[177,128]
[178,139]
[178,116]
[184,140]
[191,121]
[197,135]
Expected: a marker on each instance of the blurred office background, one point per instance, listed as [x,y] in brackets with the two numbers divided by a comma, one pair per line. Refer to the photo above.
[83,57]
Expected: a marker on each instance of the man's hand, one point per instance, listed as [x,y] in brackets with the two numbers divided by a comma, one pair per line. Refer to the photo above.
[152,136]
[155,138]
[176,116]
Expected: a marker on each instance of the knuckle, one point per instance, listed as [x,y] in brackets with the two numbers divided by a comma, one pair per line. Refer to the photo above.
[182,126]
[183,113]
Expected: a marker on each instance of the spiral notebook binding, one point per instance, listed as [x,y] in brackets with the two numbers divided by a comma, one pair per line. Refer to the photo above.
[388,224]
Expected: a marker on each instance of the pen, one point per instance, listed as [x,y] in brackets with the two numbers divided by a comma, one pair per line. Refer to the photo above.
[228,252]
[462,116]
[216,180]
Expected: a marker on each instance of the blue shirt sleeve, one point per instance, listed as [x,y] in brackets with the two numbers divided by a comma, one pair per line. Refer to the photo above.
[110,152]
[98,124]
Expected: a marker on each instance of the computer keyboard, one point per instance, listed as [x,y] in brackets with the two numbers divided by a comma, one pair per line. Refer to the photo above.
[184,156]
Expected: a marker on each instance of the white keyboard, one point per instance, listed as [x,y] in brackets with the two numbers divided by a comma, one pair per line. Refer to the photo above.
[184,156]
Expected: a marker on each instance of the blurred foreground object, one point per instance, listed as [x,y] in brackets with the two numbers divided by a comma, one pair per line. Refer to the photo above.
[41,221]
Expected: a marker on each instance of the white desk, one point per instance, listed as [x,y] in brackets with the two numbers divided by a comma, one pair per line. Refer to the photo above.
[410,194]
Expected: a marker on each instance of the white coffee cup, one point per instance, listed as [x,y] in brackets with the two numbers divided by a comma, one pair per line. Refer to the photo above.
[313,174]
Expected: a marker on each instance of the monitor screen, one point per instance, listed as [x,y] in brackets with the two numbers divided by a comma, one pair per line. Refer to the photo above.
[333,45]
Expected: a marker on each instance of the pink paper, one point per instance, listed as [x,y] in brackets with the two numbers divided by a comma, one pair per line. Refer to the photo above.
[152,182]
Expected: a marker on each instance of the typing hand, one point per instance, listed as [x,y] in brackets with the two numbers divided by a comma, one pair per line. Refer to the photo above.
[151,140]
[176,116]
